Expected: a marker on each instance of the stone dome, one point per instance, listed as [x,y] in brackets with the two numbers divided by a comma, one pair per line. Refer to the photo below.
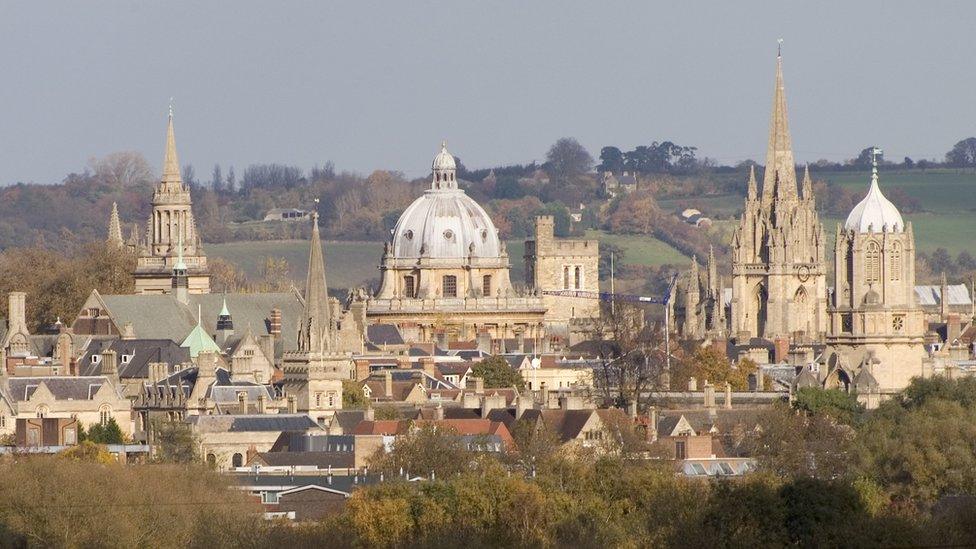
[445,223]
[444,160]
[875,213]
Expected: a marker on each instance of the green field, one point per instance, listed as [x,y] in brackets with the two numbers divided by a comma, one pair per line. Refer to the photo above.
[940,191]
[948,197]
[351,264]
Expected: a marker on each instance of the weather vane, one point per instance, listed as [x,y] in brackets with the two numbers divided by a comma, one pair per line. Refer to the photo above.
[875,153]
[779,47]
[171,107]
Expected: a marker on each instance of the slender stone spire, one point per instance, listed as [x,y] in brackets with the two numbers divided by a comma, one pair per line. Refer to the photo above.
[779,180]
[751,190]
[115,228]
[315,328]
[807,183]
[171,163]
[712,270]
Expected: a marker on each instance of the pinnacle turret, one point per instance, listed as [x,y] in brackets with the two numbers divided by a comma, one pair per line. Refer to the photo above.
[115,228]
[807,183]
[751,189]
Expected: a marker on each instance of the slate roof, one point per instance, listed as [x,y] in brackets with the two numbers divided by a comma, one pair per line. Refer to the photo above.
[322,460]
[567,424]
[143,351]
[929,295]
[253,423]
[384,334]
[162,316]
[62,387]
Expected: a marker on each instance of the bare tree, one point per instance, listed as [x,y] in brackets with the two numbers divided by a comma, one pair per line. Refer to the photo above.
[122,169]
[632,354]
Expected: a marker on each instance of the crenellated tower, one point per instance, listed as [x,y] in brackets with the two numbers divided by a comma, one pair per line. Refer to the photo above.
[779,287]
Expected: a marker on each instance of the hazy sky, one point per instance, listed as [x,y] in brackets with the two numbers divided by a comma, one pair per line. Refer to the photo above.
[378,84]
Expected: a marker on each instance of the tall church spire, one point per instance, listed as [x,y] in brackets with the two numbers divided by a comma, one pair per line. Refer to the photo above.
[171,163]
[115,228]
[314,332]
[779,180]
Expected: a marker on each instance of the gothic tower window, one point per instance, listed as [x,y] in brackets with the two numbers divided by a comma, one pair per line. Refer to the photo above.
[801,296]
[872,262]
[895,261]
[565,277]
[760,297]
[578,278]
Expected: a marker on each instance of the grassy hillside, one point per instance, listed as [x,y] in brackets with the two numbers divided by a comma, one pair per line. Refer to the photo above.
[948,197]
[351,264]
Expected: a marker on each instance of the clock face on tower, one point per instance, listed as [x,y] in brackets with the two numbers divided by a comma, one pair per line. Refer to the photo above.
[803,273]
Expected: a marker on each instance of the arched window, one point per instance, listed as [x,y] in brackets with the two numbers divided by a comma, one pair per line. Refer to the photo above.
[578,278]
[801,296]
[894,262]
[872,262]
[42,411]
[237,460]
[104,414]
[566,278]
[211,460]
[486,285]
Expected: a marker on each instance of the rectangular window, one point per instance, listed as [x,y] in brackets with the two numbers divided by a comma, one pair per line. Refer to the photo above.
[486,285]
[408,287]
[679,450]
[449,286]
[269,497]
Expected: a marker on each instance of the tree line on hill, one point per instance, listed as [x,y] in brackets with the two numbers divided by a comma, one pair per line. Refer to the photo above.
[830,474]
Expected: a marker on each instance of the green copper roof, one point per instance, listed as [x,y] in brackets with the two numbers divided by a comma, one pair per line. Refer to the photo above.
[199,341]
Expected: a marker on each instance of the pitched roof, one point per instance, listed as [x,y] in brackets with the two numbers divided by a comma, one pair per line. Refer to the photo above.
[155,316]
[567,424]
[384,334]
[253,423]
[932,294]
[141,351]
[379,427]
[62,387]
[199,341]
[322,460]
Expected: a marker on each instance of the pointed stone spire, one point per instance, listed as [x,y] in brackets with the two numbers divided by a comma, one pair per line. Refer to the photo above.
[807,183]
[172,180]
[115,228]
[944,298]
[779,179]
[712,270]
[751,189]
[315,328]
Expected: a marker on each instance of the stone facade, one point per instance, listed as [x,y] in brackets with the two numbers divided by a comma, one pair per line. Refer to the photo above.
[560,264]
[698,304]
[875,321]
[779,287]
[445,272]
[313,374]
[171,236]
